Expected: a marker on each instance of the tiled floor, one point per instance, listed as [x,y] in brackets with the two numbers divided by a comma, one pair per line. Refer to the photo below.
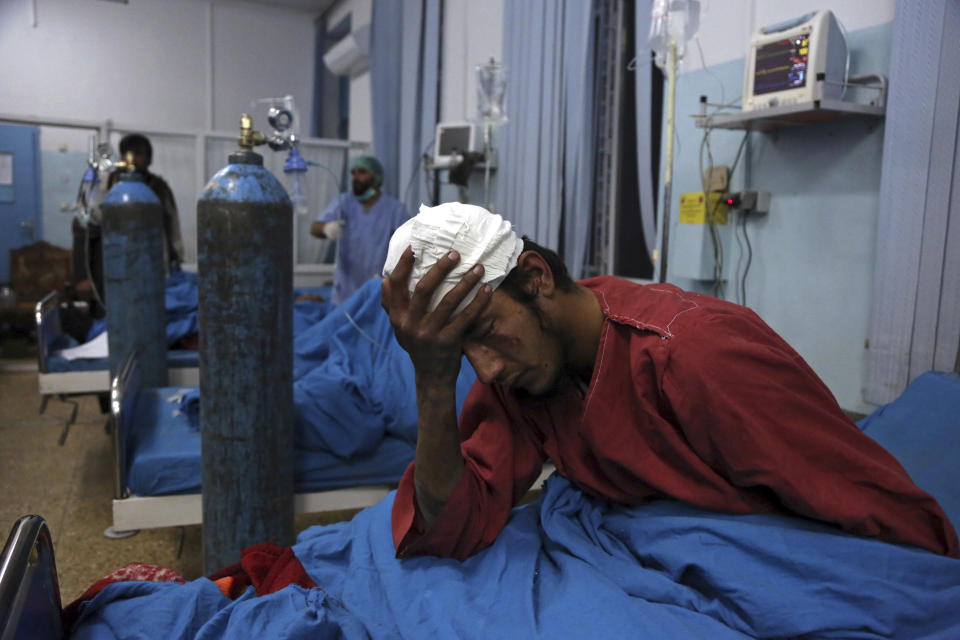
[71,487]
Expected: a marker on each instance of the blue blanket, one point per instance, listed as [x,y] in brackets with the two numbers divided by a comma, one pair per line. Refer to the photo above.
[568,566]
[922,428]
[354,405]
[353,383]
[181,305]
[181,300]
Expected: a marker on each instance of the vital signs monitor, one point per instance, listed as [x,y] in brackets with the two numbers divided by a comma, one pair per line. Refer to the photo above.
[797,61]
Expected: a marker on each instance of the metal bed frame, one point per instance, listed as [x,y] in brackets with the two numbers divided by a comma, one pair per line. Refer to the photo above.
[30,604]
[132,512]
[62,385]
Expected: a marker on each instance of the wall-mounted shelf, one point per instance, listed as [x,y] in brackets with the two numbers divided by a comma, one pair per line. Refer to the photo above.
[815,111]
[790,115]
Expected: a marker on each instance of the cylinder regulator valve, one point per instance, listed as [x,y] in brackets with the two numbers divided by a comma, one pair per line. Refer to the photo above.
[249,137]
[126,164]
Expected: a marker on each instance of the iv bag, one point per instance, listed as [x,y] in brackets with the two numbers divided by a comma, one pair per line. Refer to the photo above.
[676,20]
[491,92]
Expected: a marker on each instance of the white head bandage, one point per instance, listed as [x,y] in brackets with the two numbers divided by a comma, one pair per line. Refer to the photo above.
[479,236]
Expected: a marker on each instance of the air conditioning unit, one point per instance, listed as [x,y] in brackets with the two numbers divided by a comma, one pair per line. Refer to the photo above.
[351,55]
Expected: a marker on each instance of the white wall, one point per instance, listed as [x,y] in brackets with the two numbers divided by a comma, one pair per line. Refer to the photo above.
[726,26]
[150,65]
[161,65]
[260,52]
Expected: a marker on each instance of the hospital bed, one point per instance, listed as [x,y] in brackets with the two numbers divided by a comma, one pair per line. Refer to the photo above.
[354,405]
[61,378]
[158,453]
[158,463]
[568,566]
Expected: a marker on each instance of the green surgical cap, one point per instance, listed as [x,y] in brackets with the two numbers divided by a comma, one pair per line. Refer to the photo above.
[369,163]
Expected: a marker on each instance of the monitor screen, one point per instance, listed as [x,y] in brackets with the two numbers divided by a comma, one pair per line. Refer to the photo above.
[781,65]
[453,140]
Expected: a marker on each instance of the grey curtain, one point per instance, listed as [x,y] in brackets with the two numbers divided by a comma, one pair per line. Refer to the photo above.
[916,298]
[544,181]
[404,70]
[644,78]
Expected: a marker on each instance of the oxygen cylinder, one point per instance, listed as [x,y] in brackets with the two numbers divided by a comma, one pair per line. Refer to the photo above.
[245,281]
[134,276]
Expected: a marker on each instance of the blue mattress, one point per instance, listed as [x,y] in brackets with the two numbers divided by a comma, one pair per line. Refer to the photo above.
[164,454]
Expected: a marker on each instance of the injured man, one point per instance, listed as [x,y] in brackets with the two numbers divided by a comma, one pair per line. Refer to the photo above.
[633,392]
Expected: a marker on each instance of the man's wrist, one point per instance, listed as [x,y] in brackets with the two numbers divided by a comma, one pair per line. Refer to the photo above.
[433,386]
[428,505]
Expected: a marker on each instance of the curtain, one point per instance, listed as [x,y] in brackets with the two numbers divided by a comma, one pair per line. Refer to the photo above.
[544,181]
[404,71]
[644,80]
[916,299]
[385,46]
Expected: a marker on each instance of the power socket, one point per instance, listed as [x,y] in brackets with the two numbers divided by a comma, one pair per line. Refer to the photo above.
[752,201]
[718,178]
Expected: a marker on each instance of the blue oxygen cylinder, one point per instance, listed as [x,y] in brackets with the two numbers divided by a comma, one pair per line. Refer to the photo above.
[245,281]
[134,275]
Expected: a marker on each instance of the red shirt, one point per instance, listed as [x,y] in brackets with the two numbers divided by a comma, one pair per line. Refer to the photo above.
[692,398]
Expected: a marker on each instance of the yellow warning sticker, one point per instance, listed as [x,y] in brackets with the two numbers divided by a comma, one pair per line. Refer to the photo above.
[693,209]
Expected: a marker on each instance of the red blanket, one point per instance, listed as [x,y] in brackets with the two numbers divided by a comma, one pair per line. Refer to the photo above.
[266,567]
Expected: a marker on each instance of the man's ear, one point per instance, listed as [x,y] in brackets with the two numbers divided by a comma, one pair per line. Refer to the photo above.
[539,275]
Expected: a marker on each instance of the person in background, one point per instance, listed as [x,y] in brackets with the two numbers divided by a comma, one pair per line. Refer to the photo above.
[362,220]
[634,392]
[142,158]
[88,243]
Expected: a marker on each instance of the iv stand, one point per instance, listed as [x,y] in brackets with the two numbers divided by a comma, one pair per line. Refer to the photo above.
[487,159]
[668,170]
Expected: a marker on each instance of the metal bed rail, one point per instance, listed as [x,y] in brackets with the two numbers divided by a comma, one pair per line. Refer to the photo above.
[47,315]
[123,398]
[49,328]
[30,604]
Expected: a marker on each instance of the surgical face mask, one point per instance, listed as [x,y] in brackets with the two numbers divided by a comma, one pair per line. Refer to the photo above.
[362,180]
[366,195]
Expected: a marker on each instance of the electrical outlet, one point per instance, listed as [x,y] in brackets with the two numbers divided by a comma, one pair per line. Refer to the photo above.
[749,201]
[718,178]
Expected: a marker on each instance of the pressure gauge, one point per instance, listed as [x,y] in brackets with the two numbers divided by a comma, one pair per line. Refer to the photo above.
[279,119]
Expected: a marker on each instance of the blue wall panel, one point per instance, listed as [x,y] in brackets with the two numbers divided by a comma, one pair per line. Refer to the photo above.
[812,269]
